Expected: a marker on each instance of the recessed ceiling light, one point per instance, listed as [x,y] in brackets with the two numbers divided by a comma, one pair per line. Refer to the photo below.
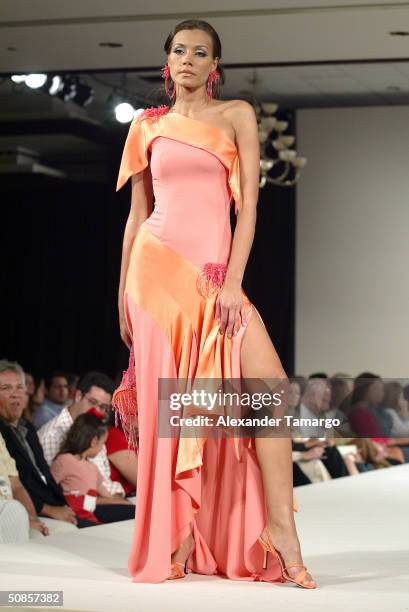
[111,45]
[399,33]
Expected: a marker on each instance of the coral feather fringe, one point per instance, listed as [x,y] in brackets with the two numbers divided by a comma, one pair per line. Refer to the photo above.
[125,404]
[211,278]
[154,112]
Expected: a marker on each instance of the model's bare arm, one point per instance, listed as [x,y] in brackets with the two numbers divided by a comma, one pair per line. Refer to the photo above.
[229,306]
[141,208]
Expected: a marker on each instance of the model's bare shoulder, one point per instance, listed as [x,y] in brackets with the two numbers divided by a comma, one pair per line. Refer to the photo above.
[240,110]
[243,120]
[234,113]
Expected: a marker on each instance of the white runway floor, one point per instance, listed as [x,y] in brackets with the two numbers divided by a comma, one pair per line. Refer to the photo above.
[354,533]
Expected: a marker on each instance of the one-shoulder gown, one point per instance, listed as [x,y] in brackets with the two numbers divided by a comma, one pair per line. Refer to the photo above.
[212,486]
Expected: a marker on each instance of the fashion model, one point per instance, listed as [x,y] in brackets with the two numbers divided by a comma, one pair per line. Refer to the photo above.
[205,505]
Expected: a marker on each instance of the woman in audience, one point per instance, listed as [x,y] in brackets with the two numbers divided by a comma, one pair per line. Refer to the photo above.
[123,460]
[369,419]
[339,405]
[370,455]
[364,413]
[398,408]
[77,475]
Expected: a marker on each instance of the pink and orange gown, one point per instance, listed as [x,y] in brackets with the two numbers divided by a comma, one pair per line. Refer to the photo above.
[210,486]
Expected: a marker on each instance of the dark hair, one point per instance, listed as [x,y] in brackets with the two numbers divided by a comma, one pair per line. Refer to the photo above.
[72,379]
[361,385]
[199,24]
[96,379]
[340,393]
[318,375]
[56,374]
[81,433]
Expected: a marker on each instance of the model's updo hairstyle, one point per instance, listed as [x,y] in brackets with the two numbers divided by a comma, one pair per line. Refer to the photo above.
[198,24]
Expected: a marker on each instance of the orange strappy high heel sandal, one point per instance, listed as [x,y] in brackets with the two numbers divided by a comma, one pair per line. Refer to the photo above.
[269,548]
[179,570]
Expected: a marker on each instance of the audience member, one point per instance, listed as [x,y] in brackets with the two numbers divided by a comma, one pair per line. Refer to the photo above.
[315,402]
[307,465]
[339,405]
[123,460]
[94,391]
[56,398]
[11,487]
[24,446]
[367,394]
[36,397]
[73,380]
[370,455]
[79,477]
[398,407]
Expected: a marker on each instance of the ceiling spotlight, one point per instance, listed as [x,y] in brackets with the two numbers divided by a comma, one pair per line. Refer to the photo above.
[124,112]
[35,81]
[18,78]
[56,85]
[67,89]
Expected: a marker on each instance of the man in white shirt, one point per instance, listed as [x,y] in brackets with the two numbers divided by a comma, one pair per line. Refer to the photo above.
[315,402]
[94,391]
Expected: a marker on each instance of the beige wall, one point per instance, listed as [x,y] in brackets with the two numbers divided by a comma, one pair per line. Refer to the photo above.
[352,241]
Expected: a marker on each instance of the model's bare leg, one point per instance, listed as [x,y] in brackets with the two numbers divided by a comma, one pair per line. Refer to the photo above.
[260,360]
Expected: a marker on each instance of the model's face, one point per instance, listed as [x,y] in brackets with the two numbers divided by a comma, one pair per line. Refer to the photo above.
[191,50]
[58,390]
[13,396]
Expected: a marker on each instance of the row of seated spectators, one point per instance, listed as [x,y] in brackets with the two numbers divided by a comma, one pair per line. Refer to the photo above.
[373,430]
[64,464]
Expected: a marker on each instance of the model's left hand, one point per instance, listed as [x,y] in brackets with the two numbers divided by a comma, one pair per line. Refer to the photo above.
[230,310]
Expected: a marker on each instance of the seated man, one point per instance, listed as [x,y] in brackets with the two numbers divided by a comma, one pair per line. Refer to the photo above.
[315,402]
[12,488]
[57,391]
[94,391]
[24,446]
